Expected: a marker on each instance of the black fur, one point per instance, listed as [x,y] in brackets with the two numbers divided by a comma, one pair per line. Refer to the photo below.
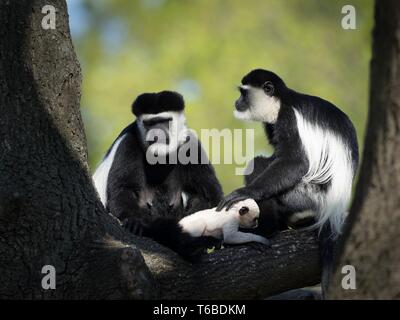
[158,102]
[328,253]
[258,77]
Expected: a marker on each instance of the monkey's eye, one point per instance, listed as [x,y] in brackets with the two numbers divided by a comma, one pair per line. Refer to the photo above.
[243,210]
[268,88]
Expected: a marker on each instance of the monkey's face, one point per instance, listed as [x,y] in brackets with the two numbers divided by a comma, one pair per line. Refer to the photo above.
[248,212]
[259,97]
[162,133]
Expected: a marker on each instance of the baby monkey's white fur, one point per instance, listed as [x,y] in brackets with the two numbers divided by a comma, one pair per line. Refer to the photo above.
[225,225]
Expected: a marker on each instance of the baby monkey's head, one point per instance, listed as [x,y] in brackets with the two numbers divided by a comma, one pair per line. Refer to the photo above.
[248,213]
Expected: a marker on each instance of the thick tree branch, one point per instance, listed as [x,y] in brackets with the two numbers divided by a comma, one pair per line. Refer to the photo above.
[242,272]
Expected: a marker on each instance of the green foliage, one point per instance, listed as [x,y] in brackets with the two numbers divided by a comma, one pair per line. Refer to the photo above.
[203,48]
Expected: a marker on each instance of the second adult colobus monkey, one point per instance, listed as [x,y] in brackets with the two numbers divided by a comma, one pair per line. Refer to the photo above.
[316,152]
[315,158]
[129,182]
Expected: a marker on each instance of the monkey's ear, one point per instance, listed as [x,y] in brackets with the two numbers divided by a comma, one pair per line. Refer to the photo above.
[243,210]
[268,88]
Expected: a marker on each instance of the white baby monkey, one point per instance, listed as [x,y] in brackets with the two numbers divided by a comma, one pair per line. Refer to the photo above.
[225,225]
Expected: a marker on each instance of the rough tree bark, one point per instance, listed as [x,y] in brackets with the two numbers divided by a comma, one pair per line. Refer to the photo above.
[243,272]
[372,242]
[49,210]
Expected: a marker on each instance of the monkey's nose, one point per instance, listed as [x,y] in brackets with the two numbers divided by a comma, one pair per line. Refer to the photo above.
[240,106]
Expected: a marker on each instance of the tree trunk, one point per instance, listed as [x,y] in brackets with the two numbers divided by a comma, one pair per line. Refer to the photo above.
[50,213]
[372,239]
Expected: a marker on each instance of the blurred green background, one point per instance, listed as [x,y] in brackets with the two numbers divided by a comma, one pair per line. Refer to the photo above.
[203,48]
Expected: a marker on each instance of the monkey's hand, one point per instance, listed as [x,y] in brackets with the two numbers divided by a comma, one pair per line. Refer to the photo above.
[134,225]
[234,197]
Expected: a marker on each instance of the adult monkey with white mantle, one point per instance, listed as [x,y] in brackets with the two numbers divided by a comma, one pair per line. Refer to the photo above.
[314,162]
[130,183]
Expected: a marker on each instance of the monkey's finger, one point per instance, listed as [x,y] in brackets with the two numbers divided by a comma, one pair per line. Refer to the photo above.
[136,228]
[221,205]
[126,225]
[230,204]
[130,226]
[140,231]
[226,203]
[234,200]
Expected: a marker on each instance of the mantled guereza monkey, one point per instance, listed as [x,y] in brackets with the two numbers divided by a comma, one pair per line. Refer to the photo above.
[315,158]
[129,182]
[206,228]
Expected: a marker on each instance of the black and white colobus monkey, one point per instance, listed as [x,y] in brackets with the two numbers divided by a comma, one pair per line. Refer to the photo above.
[316,152]
[315,158]
[129,184]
